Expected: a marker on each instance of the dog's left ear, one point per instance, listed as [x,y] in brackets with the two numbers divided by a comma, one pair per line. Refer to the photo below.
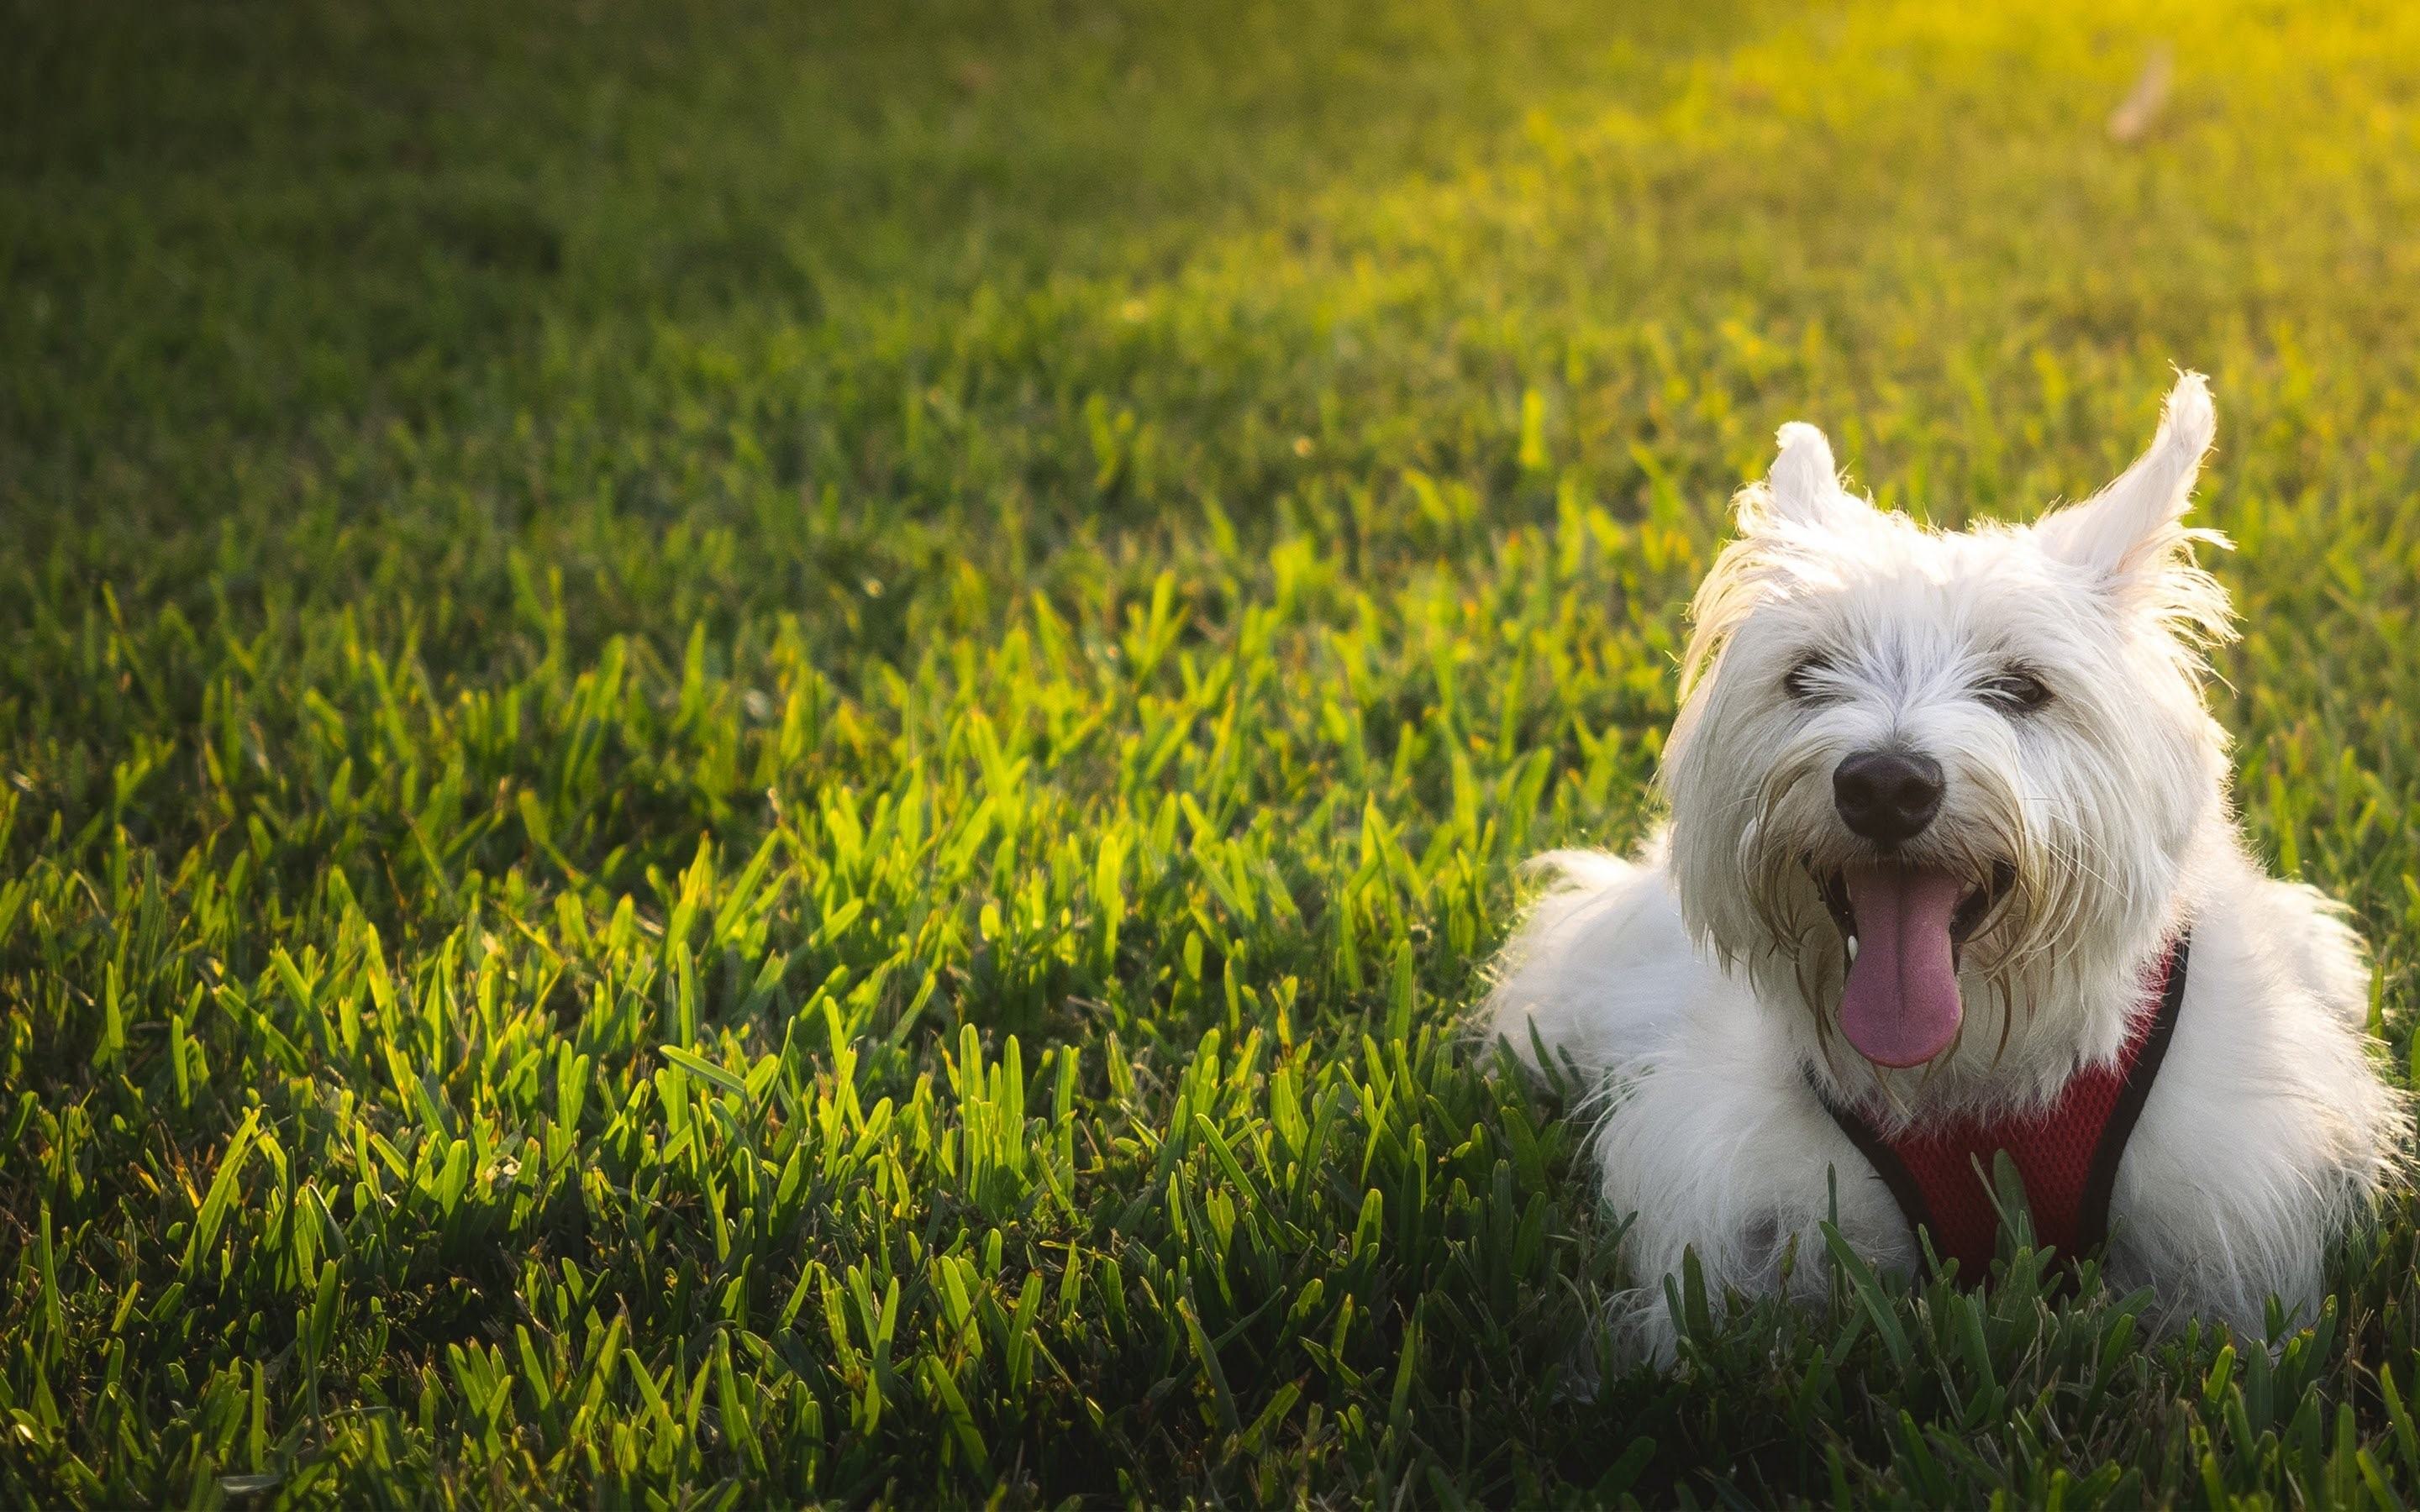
[2134,526]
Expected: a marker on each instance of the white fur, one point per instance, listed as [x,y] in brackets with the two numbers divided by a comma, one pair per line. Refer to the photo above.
[1697,986]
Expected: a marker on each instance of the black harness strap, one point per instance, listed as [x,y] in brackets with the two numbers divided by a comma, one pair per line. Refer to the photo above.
[2092,1220]
[1905,1188]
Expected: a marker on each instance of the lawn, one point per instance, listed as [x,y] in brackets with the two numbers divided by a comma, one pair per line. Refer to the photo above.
[761,752]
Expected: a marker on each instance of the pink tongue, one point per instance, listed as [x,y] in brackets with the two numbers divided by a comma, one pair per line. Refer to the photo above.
[1899,1006]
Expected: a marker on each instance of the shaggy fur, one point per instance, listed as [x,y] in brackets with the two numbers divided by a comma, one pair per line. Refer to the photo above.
[1697,984]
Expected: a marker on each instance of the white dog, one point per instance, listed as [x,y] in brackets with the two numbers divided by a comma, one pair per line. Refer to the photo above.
[1951,869]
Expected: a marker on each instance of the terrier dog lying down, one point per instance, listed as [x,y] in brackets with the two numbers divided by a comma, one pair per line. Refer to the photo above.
[1951,869]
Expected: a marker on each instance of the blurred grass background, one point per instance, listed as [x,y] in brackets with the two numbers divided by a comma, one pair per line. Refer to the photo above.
[755,753]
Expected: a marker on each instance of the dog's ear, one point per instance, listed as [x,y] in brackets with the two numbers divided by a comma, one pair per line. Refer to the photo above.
[1802,487]
[2135,526]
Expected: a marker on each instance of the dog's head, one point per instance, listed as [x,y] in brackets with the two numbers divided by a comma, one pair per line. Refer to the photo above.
[1906,757]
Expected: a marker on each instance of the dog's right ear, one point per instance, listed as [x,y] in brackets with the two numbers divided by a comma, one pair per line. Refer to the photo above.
[1802,487]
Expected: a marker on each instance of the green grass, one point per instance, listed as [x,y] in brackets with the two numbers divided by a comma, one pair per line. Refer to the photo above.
[755,754]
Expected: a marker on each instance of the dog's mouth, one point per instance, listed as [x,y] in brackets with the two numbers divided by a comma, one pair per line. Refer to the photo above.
[1903,927]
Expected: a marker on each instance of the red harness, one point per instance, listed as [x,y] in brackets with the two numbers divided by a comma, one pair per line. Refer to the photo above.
[2067,1153]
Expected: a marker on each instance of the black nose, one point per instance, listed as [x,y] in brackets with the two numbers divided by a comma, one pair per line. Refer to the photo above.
[1887,795]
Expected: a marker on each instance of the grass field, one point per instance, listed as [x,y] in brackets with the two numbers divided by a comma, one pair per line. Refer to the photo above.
[757,753]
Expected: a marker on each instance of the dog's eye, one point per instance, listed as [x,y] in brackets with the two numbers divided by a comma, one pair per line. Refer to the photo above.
[2017,690]
[1806,681]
